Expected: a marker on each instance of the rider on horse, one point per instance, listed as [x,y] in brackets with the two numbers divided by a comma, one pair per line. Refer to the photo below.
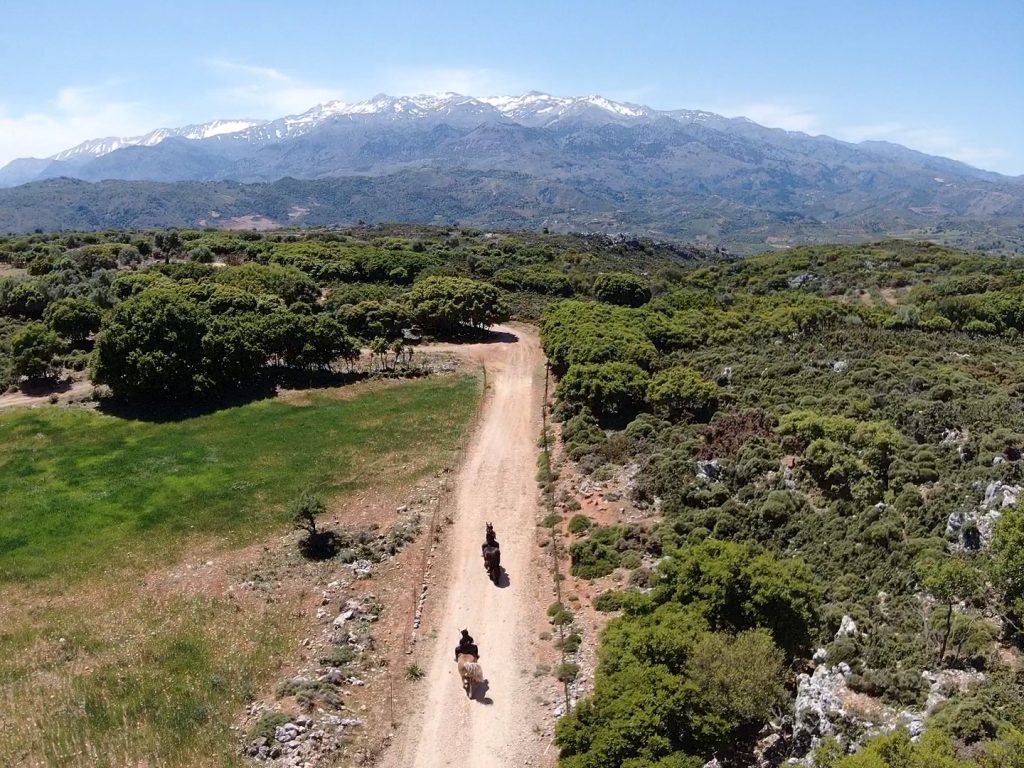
[466,646]
[490,541]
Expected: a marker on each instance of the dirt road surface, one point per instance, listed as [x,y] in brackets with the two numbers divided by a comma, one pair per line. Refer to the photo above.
[496,483]
[66,392]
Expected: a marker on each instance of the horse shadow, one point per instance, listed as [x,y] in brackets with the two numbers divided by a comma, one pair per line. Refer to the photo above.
[482,687]
[503,581]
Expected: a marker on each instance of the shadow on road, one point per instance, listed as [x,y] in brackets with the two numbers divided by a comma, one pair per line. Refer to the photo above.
[484,699]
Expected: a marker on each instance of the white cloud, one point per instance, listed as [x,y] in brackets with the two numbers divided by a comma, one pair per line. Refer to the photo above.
[265,92]
[930,140]
[74,114]
[774,115]
[469,82]
[934,141]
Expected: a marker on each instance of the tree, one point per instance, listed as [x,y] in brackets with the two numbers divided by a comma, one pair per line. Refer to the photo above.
[304,512]
[128,284]
[622,288]
[375,319]
[949,580]
[737,589]
[152,347]
[448,304]
[309,341]
[33,350]
[289,283]
[1008,558]
[73,319]
[24,298]
[681,392]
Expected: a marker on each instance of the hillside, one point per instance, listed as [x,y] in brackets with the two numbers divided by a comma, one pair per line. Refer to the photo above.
[779,512]
[791,487]
[585,164]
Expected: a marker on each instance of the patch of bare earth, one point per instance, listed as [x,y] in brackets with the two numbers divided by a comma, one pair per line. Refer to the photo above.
[255,222]
[74,387]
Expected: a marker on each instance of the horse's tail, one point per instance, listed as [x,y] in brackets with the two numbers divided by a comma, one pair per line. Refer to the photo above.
[475,672]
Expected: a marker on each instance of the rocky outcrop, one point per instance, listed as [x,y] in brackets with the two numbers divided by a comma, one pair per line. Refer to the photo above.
[827,706]
[974,528]
[709,470]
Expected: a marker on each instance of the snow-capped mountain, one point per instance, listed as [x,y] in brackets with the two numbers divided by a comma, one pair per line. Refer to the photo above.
[100,147]
[534,109]
[530,160]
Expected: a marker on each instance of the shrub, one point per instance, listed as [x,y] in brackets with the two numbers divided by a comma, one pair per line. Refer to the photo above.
[579,523]
[74,319]
[34,350]
[609,391]
[448,304]
[682,393]
[622,288]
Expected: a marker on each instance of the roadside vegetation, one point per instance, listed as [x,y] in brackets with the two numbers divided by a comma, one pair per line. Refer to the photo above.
[832,438]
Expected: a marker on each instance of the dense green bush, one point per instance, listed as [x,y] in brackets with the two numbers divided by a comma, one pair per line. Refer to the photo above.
[74,318]
[449,304]
[34,351]
[682,393]
[609,391]
[622,288]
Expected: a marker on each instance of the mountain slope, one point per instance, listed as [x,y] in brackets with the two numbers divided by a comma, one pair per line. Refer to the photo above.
[570,163]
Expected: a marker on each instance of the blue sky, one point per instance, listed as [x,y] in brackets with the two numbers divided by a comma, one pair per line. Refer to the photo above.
[942,76]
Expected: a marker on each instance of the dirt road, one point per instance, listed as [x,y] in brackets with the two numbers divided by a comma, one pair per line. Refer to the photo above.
[496,483]
[66,392]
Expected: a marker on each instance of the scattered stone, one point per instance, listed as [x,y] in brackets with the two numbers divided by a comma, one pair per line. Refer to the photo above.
[839,366]
[709,470]
[798,281]
[975,528]
[820,656]
[847,628]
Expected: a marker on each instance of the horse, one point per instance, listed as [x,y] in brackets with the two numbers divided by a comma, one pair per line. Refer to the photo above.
[470,672]
[492,562]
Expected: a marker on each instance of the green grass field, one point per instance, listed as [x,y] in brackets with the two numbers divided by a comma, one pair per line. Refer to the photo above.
[100,665]
[83,491]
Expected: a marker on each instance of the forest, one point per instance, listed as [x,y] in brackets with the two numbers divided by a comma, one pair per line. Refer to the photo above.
[181,315]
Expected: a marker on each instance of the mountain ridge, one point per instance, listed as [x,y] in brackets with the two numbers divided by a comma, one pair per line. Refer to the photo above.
[581,163]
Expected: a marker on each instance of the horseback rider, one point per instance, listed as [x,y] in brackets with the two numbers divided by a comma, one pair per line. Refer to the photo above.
[467,647]
[490,540]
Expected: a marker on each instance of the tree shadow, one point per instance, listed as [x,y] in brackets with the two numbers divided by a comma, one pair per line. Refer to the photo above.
[294,379]
[191,406]
[47,386]
[473,336]
[497,337]
[162,411]
[322,545]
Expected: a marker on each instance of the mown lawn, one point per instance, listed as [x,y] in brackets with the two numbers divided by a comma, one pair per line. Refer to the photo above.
[81,491]
[104,660]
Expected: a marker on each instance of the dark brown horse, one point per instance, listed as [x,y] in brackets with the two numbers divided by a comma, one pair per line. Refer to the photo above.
[492,562]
